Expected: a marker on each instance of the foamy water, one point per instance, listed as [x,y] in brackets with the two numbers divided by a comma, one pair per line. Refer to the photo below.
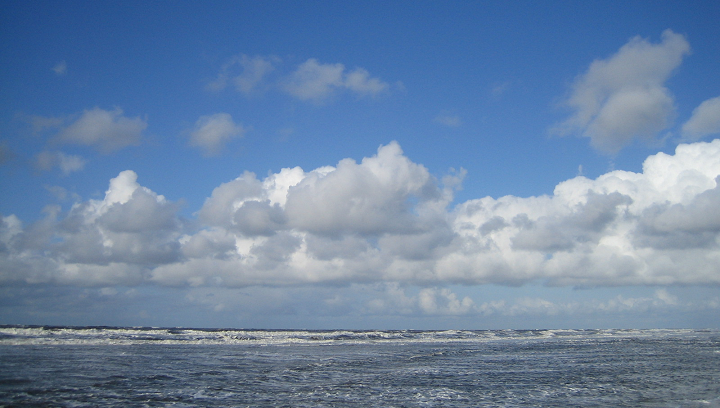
[109,366]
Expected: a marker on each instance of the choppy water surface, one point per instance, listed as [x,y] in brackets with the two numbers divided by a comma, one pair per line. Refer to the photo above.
[152,367]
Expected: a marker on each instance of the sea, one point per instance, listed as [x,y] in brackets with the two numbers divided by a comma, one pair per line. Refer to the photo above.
[50,366]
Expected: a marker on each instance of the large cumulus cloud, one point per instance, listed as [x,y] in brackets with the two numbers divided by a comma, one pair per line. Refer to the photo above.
[387,219]
[117,240]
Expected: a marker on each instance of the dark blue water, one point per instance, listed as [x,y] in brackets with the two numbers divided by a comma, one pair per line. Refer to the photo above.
[101,367]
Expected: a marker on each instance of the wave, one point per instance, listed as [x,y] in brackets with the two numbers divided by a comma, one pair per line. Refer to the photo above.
[109,335]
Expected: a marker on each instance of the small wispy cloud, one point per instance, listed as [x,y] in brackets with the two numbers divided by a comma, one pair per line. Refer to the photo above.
[212,132]
[500,88]
[448,119]
[247,74]
[67,163]
[315,81]
[60,68]
[310,81]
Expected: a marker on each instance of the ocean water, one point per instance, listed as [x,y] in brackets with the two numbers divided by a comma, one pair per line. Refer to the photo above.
[178,367]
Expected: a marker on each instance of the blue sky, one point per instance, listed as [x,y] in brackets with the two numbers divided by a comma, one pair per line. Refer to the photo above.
[400,165]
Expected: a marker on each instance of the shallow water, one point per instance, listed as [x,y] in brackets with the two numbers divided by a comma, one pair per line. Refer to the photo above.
[152,367]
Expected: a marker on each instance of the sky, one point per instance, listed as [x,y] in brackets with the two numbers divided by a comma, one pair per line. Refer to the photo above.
[360,165]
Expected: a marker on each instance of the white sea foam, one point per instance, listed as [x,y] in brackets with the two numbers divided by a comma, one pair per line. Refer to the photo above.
[47,335]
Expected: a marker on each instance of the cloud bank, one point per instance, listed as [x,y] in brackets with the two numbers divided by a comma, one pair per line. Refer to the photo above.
[443,302]
[386,219]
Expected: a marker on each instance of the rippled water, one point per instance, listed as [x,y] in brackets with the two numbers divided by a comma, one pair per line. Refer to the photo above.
[60,366]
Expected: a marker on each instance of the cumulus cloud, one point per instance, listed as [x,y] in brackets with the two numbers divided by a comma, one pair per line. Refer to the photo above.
[116,240]
[386,219]
[705,120]
[67,163]
[623,97]
[371,197]
[314,81]
[212,132]
[104,130]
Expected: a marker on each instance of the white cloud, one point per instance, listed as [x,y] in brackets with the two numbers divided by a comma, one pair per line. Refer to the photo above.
[370,197]
[254,71]
[11,226]
[624,98]
[359,81]
[385,219]
[617,237]
[705,120]
[313,81]
[354,222]
[212,132]
[113,241]
[107,131]
[67,163]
